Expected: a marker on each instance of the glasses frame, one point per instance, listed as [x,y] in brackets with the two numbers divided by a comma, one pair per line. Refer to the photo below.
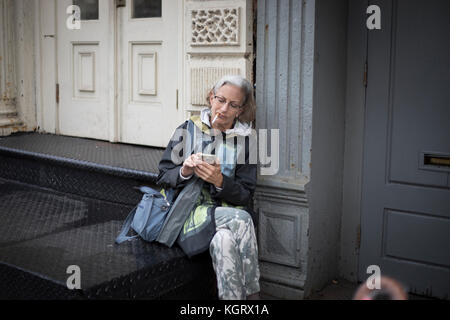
[230,103]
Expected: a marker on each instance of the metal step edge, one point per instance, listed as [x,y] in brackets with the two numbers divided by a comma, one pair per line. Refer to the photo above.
[81,164]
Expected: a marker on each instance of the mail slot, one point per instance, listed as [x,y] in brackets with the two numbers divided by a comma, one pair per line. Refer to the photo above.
[435,161]
[430,159]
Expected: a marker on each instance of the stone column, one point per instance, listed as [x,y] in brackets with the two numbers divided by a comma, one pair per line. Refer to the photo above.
[8,112]
[7,74]
[284,95]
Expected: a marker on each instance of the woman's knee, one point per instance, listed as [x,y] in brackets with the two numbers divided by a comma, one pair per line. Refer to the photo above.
[223,239]
[236,220]
[243,215]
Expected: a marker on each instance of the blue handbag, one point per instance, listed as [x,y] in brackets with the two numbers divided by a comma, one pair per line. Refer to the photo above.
[148,216]
[157,216]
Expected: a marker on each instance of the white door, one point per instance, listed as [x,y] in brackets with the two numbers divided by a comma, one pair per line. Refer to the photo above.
[148,72]
[118,74]
[85,69]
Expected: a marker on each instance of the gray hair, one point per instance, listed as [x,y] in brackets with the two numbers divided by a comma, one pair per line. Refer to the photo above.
[249,105]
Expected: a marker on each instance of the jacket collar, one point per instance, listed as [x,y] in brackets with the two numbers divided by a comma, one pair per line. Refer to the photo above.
[203,122]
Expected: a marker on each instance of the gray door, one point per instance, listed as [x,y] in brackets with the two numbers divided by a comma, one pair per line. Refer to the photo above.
[405,222]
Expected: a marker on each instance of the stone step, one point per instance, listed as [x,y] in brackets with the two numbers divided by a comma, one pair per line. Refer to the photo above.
[63,201]
[8,113]
[45,231]
[9,121]
[85,167]
[9,126]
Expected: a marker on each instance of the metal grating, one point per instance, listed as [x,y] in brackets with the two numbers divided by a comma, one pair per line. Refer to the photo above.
[43,232]
[86,151]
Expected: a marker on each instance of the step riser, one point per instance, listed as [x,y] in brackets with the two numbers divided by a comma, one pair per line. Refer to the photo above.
[8,114]
[9,121]
[8,130]
[68,178]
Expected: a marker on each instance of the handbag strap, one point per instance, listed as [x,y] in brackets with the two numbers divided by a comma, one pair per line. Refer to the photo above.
[150,191]
[126,227]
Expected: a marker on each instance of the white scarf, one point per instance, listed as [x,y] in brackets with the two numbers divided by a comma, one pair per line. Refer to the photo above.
[240,128]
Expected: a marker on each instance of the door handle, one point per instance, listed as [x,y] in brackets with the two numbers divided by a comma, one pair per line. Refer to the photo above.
[120,3]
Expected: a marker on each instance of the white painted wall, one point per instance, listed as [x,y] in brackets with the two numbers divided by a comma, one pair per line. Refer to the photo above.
[46,71]
[24,12]
[17,67]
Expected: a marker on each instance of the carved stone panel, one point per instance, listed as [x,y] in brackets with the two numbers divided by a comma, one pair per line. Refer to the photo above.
[218,27]
[219,41]
[215,26]
[202,80]
[280,235]
[204,71]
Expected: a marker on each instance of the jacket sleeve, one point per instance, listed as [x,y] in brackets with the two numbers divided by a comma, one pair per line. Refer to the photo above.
[169,172]
[240,189]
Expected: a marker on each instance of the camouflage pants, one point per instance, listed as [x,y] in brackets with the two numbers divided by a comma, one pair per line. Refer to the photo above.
[234,253]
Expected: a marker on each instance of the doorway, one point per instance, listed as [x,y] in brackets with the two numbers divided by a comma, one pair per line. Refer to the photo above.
[118,73]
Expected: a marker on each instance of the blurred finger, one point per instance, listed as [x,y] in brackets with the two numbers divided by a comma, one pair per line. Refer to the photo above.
[188,163]
[201,169]
[200,174]
[207,168]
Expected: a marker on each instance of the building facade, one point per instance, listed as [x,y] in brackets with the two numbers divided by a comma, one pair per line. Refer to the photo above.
[358,182]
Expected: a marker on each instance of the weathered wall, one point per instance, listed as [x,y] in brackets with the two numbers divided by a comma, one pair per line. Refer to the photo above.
[17,66]
[46,66]
[284,97]
[327,148]
[354,127]
[7,53]
[25,62]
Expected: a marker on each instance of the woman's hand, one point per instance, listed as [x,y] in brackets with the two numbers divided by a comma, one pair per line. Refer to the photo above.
[189,164]
[210,173]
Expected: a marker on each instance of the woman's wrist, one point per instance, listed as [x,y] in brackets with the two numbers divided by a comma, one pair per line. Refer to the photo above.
[184,174]
[219,182]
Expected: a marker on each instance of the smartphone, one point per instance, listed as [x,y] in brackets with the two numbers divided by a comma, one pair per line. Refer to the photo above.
[208,158]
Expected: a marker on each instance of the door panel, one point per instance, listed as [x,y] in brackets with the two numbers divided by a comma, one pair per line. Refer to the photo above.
[405,222]
[84,70]
[420,102]
[148,71]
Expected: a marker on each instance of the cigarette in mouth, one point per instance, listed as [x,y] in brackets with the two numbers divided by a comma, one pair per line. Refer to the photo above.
[215,118]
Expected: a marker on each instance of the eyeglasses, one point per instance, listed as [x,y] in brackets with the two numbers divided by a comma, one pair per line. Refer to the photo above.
[222,101]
